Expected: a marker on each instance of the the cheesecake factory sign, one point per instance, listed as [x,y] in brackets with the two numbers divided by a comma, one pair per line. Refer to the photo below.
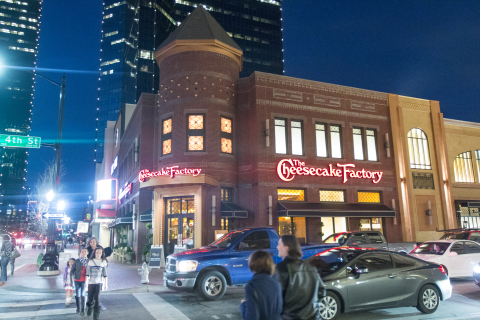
[287,169]
[168,171]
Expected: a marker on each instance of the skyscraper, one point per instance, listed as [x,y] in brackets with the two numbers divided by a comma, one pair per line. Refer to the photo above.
[133,29]
[20,25]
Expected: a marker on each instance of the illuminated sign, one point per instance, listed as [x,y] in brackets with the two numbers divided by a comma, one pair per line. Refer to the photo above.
[287,169]
[106,189]
[127,188]
[168,171]
[114,165]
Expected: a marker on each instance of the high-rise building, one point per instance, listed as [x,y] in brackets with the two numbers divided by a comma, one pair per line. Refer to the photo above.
[133,29]
[20,22]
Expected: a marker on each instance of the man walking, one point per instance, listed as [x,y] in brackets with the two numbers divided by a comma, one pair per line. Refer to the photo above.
[300,282]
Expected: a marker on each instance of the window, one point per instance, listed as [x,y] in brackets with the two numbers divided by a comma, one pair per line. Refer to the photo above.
[372,145]
[375,238]
[297,137]
[463,167]
[403,261]
[332,196]
[375,262]
[280,136]
[226,135]
[358,144]
[371,224]
[357,239]
[459,248]
[475,236]
[195,132]
[167,136]
[477,156]
[418,149]
[226,194]
[258,240]
[291,194]
[335,141]
[321,137]
[370,197]
[182,205]
[472,247]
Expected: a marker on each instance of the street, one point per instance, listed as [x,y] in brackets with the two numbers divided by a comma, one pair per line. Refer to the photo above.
[28,296]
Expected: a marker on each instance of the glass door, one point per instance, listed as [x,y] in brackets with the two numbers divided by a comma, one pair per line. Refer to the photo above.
[179,223]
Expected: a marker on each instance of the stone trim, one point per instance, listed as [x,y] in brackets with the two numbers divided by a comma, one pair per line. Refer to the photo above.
[414,106]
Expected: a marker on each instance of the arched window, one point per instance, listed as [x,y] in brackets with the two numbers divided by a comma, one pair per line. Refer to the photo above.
[418,149]
[463,167]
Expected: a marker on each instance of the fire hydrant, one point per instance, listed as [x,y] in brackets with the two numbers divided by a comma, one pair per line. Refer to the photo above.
[144,271]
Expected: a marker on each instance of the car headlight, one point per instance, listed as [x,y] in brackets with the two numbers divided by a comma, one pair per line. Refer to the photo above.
[187,265]
[476,269]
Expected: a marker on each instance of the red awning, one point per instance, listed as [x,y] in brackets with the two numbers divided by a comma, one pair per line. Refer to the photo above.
[105,213]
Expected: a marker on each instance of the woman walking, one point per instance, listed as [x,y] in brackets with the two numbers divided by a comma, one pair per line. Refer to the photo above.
[263,293]
[5,253]
[67,280]
[96,278]
[92,246]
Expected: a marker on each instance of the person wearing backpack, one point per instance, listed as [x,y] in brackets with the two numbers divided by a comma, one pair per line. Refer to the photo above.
[299,280]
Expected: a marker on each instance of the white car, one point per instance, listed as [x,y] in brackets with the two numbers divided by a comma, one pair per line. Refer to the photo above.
[458,257]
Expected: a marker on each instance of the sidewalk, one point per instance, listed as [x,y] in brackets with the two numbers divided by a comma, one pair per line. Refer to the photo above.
[122,277]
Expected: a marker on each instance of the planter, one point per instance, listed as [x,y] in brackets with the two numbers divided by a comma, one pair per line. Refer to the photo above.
[129,257]
[147,258]
[143,258]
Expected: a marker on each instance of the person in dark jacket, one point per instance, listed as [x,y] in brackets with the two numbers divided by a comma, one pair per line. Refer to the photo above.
[92,246]
[78,274]
[299,280]
[263,293]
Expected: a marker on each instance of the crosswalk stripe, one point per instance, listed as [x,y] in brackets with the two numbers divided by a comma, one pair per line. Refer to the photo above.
[30,303]
[159,308]
[39,313]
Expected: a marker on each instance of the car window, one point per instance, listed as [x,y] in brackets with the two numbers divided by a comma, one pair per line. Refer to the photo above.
[403,261]
[357,238]
[455,236]
[374,262]
[472,247]
[459,248]
[475,236]
[332,260]
[375,238]
[437,248]
[257,240]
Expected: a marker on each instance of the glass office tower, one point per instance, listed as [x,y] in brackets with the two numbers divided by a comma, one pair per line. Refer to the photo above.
[133,29]
[19,27]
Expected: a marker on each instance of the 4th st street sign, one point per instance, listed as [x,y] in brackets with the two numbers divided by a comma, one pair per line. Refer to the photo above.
[7,140]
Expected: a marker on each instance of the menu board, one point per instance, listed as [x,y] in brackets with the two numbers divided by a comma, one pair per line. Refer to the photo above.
[157,259]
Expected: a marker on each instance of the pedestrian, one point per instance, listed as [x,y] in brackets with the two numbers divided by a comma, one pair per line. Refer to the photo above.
[299,280]
[263,293]
[68,283]
[97,281]
[14,255]
[92,245]
[5,253]
[78,274]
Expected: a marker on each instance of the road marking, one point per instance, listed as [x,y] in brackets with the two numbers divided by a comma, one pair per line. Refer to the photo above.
[215,317]
[159,308]
[23,265]
[39,313]
[30,303]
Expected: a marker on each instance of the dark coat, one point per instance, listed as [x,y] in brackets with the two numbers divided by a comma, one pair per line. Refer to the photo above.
[76,271]
[267,303]
[300,289]
[90,251]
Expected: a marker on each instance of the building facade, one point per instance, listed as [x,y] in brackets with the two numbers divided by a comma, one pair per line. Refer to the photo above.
[18,49]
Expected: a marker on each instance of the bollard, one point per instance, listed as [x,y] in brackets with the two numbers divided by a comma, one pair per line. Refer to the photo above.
[144,271]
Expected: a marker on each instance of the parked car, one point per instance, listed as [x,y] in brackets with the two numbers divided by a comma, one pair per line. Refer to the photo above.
[370,239]
[469,234]
[457,257]
[363,279]
[224,262]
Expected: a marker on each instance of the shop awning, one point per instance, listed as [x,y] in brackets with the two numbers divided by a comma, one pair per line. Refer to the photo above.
[105,214]
[128,218]
[146,216]
[233,210]
[326,209]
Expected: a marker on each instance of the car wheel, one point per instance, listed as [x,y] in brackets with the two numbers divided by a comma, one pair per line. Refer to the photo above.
[428,299]
[212,285]
[330,306]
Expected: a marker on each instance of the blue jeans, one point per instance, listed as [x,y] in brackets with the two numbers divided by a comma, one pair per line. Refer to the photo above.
[4,263]
[80,289]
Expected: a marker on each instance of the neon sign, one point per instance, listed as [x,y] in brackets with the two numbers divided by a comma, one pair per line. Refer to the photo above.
[127,188]
[168,171]
[287,169]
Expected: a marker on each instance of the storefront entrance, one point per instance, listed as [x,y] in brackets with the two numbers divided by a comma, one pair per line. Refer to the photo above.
[179,222]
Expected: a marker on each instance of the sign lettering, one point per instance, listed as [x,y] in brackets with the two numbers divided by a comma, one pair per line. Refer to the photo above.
[168,171]
[7,140]
[287,169]
[127,188]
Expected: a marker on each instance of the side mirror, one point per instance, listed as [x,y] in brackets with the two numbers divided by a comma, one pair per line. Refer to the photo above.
[453,254]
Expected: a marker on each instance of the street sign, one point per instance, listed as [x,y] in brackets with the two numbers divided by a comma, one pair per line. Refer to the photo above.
[8,140]
[53,215]
[82,227]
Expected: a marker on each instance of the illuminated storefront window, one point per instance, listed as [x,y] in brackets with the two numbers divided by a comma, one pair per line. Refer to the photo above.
[291,194]
[358,144]
[167,136]
[365,196]
[372,224]
[195,132]
[321,137]
[418,149]
[195,122]
[183,205]
[195,143]
[167,126]
[295,226]
[167,146]
[463,167]
[332,196]
[335,141]
[226,145]
[280,136]
[226,135]
[296,129]
[226,125]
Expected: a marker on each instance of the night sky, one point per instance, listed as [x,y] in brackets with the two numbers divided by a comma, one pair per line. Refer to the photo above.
[423,49]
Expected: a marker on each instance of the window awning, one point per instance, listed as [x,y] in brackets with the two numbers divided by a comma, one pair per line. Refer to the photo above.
[328,209]
[233,210]
[146,216]
[105,214]
[126,219]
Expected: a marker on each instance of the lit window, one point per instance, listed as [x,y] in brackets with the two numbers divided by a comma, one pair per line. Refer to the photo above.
[146,54]
[477,156]
[107,16]
[321,140]
[110,34]
[226,135]
[463,167]
[372,145]
[226,125]
[118,41]
[332,196]
[291,194]
[116,4]
[167,136]
[297,137]
[358,144]
[226,194]
[418,149]
[106,63]
[144,68]
[195,143]
[335,141]
[226,145]
[364,196]
[195,132]
[280,136]
[195,122]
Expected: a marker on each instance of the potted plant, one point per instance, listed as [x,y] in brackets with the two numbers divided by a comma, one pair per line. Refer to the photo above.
[148,225]
[129,254]
[145,251]
[147,257]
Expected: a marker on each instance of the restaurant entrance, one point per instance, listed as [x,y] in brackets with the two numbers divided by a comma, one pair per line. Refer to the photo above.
[179,222]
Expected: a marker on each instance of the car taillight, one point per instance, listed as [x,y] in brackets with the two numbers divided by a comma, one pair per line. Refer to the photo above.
[441,268]
[44,241]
